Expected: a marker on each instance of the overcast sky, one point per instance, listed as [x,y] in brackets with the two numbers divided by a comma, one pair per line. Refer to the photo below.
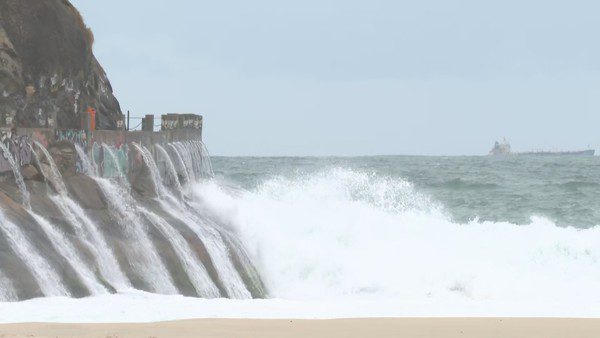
[347,77]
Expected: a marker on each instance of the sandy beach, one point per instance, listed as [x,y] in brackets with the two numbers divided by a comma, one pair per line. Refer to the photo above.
[348,328]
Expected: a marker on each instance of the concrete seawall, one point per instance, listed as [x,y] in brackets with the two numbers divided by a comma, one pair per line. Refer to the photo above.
[18,140]
[105,209]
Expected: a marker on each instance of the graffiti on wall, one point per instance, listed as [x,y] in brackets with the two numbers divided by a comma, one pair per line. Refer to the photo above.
[170,123]
[179,121]
[76,136]
[18,147]
[192,121]
[110,161]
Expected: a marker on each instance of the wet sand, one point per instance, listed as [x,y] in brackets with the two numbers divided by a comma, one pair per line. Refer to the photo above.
[347,328]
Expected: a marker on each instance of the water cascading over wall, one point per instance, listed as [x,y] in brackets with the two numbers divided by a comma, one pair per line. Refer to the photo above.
[78,223]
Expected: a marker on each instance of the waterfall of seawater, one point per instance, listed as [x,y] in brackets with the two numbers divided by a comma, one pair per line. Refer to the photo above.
[142,254]
[60,242]
[116,165]
[7,290]
[18,177]
[217,249]
[195,159]
[154,172]
[187,161]
[91,236]
[92,258]
[58,239]
[88,167]
[191,263]
[171,171]
[200,158]
[53,175]
[48,280]
[180,163]
[207,169]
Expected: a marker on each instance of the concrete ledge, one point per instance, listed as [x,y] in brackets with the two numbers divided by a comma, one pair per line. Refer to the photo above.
[18,139]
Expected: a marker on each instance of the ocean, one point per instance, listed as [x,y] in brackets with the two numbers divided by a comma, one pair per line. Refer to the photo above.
[487,230]
[389,236]
[565,190]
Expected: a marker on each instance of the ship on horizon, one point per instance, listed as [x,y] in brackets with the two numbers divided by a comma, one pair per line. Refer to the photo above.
[503,148]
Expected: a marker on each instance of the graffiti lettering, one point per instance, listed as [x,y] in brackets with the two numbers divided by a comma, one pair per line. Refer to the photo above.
[78,137]
[18,147]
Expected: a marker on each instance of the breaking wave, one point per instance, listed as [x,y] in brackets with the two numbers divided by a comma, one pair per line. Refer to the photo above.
[342,233]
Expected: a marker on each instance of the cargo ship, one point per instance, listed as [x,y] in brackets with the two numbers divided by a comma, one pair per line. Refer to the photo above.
[503,148]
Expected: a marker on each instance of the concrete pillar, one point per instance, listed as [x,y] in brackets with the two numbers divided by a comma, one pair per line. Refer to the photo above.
[190,121]
[169,122]
[148,123]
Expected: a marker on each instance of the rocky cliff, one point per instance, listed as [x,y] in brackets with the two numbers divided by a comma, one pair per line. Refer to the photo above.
[48,73]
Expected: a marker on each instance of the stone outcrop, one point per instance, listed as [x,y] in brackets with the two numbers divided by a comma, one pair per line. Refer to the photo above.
[48,73]
[86,192]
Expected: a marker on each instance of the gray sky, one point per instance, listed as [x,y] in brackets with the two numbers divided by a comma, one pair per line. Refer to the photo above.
[318,77]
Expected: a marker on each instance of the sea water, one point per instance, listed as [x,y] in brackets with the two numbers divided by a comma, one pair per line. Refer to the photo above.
[391,236]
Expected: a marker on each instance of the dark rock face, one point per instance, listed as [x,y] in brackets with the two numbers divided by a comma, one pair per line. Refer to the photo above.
[30,173]
[48,73]
[85,191]
[140,176]
[63,153]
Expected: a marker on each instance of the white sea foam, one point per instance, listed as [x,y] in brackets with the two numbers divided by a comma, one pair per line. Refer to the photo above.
[138,307]
[342,243]
[341,233]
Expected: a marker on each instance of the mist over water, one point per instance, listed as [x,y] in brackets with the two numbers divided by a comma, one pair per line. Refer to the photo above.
[416,228]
